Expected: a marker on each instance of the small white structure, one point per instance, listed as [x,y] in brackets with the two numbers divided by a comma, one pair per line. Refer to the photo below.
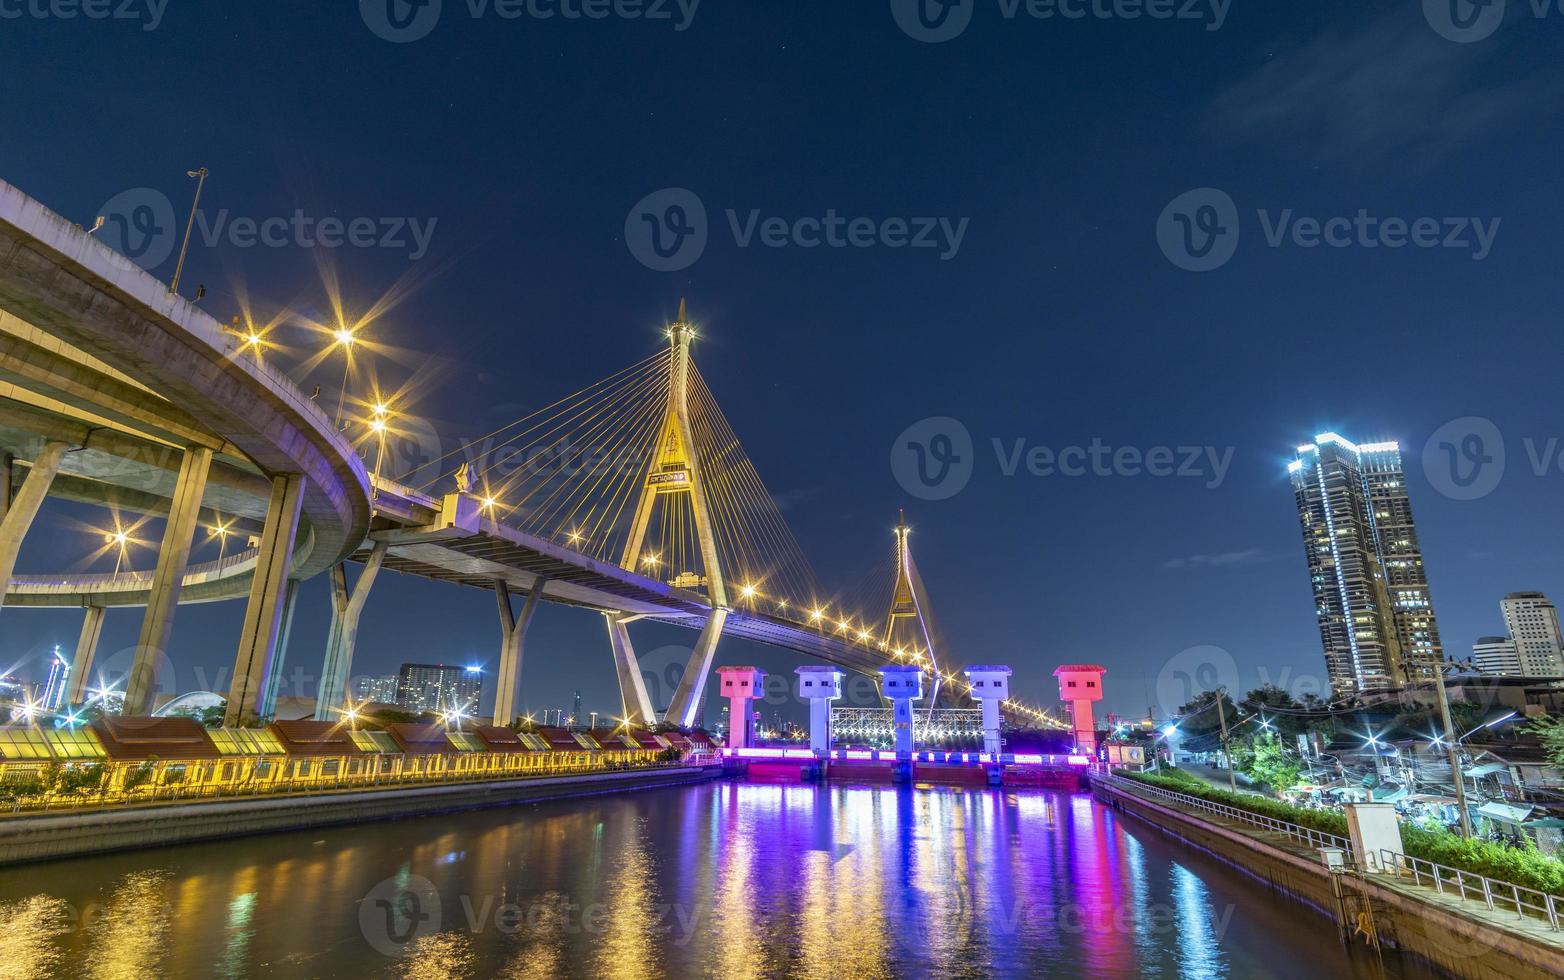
[902,684]
[821,686]
[991,688]
[1376,837]
[741,686]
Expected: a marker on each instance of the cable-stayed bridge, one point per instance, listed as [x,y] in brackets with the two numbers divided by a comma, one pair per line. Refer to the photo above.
[634,497]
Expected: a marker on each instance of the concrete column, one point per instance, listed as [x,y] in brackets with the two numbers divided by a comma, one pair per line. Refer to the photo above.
[902,684]
[257,655]
[742,686]
[22,511]
[687,699]
[7,474]
[290,602]
[990,687]
[86,649]
[513,637]
[820,686]
[173,559]
[636,704]
[346,608]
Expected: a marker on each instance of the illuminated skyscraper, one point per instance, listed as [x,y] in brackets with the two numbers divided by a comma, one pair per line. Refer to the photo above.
[439,688]
[1365,564]
[1533,622]
[54,690]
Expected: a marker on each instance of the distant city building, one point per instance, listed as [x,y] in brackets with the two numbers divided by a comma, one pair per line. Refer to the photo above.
[1365,564]
[1496,655]
[575,711]
[1533,622]
[381,690]
[439,687]
[58,683]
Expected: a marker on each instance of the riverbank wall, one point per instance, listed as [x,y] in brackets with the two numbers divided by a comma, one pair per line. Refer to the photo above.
[1458,941]
[29,838]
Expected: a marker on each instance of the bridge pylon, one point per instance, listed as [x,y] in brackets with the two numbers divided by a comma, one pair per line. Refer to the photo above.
[674,471]
[909,626]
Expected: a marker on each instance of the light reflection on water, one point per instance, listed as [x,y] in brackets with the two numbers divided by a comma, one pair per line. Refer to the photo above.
[725,879]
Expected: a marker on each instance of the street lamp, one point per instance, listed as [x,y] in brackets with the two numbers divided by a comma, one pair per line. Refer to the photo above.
[344,338]
[179,268]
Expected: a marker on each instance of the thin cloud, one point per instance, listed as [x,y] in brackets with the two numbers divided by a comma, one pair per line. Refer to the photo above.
[1223,559]
[1387,86]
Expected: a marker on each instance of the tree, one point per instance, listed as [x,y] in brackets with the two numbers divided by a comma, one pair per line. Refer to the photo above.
[1270,764]
[1551,731]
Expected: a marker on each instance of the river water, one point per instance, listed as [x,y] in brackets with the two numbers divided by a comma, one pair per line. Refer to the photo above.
[721,879]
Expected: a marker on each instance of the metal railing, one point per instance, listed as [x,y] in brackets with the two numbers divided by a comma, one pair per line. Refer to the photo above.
[1498,896]
[1307,836]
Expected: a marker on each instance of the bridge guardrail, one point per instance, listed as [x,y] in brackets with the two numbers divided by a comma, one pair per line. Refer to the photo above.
[1303,835]
[1469,885]
[1497,895]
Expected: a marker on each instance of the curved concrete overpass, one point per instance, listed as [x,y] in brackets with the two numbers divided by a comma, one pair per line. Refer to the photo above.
[177,375]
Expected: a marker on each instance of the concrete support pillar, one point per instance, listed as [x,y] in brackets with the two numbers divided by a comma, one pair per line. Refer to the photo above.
[23,510]
[346,608]
[902,684]
[632,686]
[7,475]
[742,686]
[820,686]
[990,686]
[173,559]
[257,655]
[513,637]
[290,602]
[86,650]
[1081,686]
[687,698]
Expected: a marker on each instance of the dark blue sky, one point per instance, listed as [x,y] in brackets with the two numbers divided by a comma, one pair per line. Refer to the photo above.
[1058,321]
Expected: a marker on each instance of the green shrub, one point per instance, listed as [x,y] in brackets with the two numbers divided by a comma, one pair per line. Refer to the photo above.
[1528,868]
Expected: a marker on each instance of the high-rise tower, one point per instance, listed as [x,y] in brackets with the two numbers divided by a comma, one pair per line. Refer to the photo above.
[1370,587]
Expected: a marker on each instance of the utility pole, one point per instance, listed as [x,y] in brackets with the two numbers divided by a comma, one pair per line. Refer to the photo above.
[1453,749]
[1227,749]
[179,268]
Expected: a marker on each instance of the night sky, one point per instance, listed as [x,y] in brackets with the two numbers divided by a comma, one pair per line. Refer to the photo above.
[1057,321]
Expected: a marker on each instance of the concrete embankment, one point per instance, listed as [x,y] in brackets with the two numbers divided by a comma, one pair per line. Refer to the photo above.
[49,836]
[1462,939]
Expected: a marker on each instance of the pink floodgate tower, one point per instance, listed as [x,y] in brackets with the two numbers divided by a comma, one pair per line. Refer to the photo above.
[1081,685]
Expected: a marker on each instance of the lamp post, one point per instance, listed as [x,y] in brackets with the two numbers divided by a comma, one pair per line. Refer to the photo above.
[179,267]
[345,339]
